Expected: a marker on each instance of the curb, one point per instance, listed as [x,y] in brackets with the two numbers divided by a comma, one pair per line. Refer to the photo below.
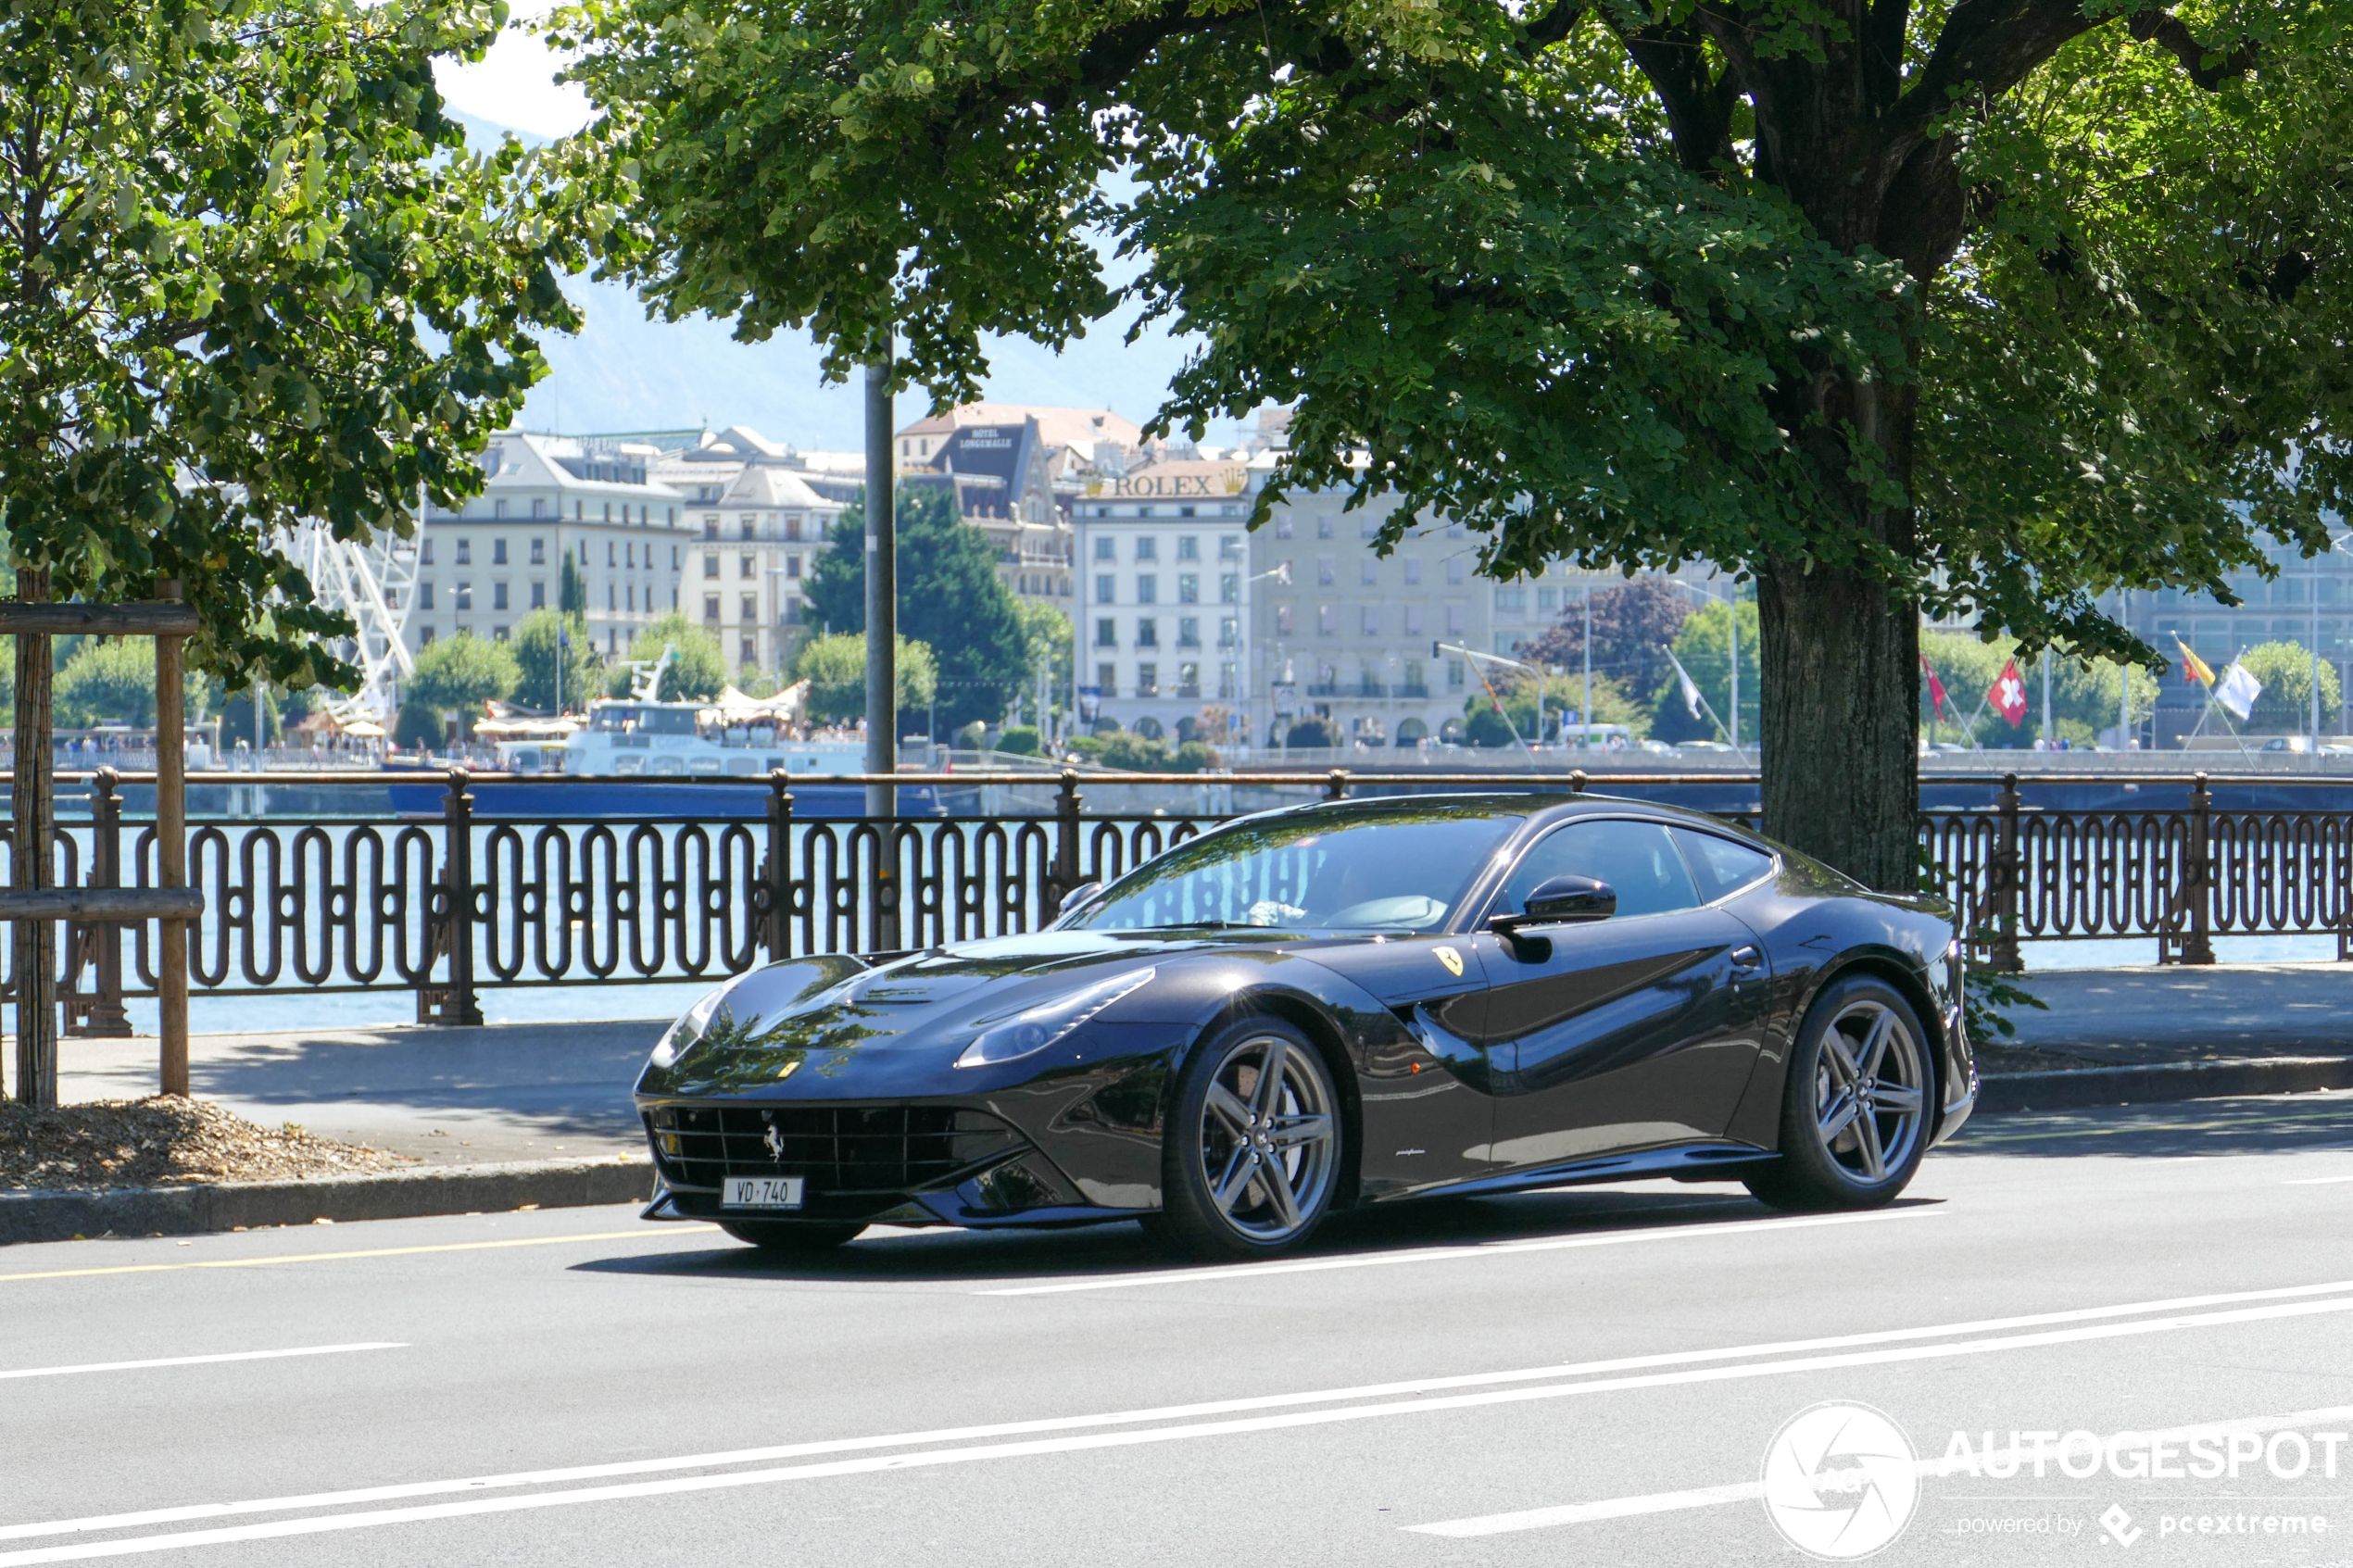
[2081,1088]
[401,1194]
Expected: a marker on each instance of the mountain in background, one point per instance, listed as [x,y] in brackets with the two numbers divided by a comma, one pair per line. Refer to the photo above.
[624,372]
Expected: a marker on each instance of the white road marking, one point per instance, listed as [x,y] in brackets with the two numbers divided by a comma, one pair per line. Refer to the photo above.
[2317,1181]
[1454,1254]
[197,1360]
[1747,1491]
[967,1453]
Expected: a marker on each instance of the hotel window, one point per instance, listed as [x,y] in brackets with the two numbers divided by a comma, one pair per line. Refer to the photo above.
[792,526]
[1189,548]
[1327,621]
[1414,675]
[465,552]
[1106,548]
[1148,633]
[1107,679]
[1229,632]
[498,596]
[1147,548]
[710,565]
[1455,673]
[1282,620]
[539,596]
[624,516]
[629,554]
[425,551]
[1229,548]
[792,566]
[744,527]
[1106,588]
[612,554]
[424,593]
[1229,588]
[539,505]
[750,616]
[1106,632]
[629,597]
[1147,589]
[1189,679]
[1188,588]
[1457,569]
[1455,621]
[1370,626]
[1327,572]
[497,552]
[1511,601]
[1323,528]
[1413,573]
[1413,621]
[1148,680]
[1369,572]
[465,596]
[612,596]
[710,525]
[498,509]
[1188,632]
[539,551]
[744,567]
[1282,528]
[710,608]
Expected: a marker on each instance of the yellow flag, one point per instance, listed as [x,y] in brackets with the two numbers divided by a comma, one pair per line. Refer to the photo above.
[2194,666]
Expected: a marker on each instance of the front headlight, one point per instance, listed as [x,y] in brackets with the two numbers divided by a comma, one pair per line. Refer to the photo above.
[680,1036]
[1024,1032]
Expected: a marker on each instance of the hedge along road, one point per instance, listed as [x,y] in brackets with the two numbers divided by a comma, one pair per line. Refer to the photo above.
[1582,1375]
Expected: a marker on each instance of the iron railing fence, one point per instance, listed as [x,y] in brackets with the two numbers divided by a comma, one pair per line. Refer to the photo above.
[362,903]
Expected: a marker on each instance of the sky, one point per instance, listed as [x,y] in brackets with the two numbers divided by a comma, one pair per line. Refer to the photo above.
[624,373]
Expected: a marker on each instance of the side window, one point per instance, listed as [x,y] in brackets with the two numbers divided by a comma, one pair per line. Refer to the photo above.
[1637,858]
[1721,865]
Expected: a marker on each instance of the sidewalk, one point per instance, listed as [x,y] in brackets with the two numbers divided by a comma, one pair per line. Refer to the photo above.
[2169,1015]
[448,1096]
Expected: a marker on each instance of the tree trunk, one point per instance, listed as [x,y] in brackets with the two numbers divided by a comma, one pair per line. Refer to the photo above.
[1841,711]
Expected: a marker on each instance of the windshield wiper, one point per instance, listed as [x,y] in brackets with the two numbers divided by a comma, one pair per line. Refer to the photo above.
[1206,925]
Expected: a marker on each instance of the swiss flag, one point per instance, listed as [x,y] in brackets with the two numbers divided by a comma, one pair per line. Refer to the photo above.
[2010,694]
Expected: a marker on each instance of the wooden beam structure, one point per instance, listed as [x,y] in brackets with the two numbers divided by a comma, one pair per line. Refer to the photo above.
[154,618]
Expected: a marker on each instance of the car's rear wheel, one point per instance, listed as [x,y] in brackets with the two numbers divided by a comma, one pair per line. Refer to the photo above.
[1856,1106]
[1253,1150]
[790,1239]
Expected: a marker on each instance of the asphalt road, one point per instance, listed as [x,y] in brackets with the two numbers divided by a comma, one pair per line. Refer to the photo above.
[1575,1377]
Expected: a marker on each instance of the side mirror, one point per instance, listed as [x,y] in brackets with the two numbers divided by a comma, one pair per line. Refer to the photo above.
[1561,900]
[1085,894]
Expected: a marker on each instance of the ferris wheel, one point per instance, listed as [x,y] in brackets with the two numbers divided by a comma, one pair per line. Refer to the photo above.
[375,584]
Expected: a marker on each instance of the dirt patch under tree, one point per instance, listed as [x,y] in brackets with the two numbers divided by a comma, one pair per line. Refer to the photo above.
[165,1141]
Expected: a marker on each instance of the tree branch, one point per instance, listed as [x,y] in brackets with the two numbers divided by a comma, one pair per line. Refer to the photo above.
[1699,106]
[2167,29]
[1991,45]
[1557,22]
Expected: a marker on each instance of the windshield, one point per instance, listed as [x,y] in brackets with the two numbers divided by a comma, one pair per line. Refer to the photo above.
[1388,868]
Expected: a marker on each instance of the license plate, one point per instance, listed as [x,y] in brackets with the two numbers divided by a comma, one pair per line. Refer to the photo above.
[761,1192]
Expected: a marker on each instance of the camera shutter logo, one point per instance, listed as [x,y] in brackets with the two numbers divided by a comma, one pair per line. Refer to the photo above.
[1840,1481]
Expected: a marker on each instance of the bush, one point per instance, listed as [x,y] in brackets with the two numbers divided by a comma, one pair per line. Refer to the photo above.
[417,725]
[1484,726]
[835,668]
[1194,757]
[459,674]
[1087,748]
[697,667]
[972,737]
[1020,741]
[1313,733]
[1135,754]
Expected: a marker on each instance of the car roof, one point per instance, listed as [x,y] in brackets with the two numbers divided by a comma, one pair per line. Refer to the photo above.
[1548,805]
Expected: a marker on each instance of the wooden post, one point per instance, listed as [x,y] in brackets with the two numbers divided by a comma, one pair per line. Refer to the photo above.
[102,1013]
[2007,876]
[35,868]
[171,846]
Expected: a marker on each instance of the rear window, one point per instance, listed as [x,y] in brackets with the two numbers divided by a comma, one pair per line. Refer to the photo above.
[1721,865]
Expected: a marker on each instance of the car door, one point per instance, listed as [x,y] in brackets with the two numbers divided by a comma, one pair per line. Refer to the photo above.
[1634,1031]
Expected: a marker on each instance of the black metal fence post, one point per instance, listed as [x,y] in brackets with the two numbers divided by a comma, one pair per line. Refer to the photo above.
[450,926]
[1066,831]
[1336,785]
[2197,875]
[97,945]
[775,875]
[2003,878]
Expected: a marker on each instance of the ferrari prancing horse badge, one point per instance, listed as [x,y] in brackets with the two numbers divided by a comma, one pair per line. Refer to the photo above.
[1452,960]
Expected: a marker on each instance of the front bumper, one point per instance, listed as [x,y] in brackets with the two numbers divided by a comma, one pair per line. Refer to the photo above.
[913,1161]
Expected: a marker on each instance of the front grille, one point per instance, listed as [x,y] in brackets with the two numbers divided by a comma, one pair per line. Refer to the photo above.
[842,1149]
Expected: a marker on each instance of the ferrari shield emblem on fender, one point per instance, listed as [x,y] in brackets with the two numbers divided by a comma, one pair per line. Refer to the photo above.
[1452,960]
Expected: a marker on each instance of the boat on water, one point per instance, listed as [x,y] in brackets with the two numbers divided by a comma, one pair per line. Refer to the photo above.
[640,756]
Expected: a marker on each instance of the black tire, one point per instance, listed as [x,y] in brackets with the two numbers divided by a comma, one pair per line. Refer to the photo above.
[791,1238]
[1878,1089]
[1230,1128]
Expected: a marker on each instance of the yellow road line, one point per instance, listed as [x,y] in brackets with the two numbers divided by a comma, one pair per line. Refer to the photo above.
[642,1232]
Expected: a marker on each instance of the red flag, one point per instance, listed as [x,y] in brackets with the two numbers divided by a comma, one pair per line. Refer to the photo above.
[1935,686]
[2010,694]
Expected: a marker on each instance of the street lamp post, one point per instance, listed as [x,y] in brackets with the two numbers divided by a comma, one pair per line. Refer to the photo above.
[1439,650]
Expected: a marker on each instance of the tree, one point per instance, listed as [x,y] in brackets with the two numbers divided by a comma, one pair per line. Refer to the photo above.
[2285,708]
[113,682]
[950,599]
[251,274]
[1980,308]
[572,588]
[459,674]
[1631,626]
[698,669]
[1564,696]
[835,667]
[2084,698]
[1049,642]
[538,653]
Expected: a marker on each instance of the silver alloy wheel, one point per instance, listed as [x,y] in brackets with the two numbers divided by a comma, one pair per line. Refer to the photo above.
[1870,1092]
[1269,1142]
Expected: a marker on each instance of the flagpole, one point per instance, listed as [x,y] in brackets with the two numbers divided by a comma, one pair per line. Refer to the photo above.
[1705,705]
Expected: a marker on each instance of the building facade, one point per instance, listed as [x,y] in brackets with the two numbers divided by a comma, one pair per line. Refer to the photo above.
[760,517]
[546,499]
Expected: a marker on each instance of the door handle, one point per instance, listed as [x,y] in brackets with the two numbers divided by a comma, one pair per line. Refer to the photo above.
[1747,960]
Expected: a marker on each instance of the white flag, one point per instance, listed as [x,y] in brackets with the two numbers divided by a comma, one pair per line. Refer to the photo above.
[1690,692]
[2238,690]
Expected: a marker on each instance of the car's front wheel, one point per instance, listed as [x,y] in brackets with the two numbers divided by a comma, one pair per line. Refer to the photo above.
[1856,1106]
[790,1239]
[1253,1150]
